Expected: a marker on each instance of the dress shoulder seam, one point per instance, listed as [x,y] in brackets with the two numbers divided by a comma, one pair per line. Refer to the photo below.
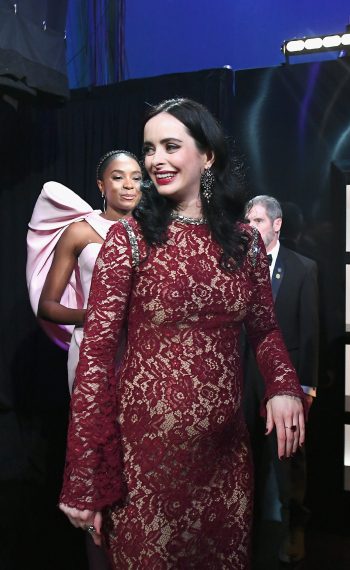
[135,253]
[255,247]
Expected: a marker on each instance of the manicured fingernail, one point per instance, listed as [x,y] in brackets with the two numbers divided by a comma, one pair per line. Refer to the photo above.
[282,457]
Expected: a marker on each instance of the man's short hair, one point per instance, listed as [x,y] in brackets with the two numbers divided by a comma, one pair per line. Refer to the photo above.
[271,205]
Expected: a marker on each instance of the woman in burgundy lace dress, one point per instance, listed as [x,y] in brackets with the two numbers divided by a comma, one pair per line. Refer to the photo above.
[158,461]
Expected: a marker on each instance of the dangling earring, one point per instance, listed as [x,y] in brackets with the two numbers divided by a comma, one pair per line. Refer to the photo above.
[207,183]
[104,206]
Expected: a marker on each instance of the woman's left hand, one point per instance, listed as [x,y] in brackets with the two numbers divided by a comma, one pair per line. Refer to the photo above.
[287,414]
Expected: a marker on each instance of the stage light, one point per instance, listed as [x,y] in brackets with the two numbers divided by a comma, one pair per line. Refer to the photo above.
[331,41]
[316,44]
[295,46]
[313,43]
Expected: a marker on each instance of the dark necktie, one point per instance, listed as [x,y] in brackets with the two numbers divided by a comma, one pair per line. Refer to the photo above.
[269,257]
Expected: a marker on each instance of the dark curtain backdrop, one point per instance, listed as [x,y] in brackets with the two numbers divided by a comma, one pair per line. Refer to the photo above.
[41,143]
[293,124]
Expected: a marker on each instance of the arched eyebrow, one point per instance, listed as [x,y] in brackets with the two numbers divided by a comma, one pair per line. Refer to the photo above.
[123,171]
[164,141]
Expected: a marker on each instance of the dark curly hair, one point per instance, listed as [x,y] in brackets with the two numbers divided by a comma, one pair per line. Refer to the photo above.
[226,206]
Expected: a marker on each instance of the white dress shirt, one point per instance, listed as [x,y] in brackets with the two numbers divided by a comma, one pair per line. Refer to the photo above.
[274,253]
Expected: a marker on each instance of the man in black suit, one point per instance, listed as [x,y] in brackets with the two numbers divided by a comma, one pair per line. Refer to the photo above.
[295,293]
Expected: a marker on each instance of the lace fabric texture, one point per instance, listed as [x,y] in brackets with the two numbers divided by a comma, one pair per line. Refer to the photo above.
[163,445]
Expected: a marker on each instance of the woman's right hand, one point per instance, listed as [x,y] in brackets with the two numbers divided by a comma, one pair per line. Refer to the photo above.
[90,521]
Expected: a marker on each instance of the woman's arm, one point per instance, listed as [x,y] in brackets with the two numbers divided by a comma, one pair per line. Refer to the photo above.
[283,402]
[66,254]
[92,476]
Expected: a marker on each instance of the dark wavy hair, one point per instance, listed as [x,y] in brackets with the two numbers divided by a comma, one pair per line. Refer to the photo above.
[226,206]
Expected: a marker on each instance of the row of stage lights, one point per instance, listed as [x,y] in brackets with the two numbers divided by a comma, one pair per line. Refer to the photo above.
[303,46]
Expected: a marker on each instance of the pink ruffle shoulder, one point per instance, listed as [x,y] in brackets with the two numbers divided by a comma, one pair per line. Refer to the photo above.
[56,208]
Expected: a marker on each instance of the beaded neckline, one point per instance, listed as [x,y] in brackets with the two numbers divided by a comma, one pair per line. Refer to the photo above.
[186,220]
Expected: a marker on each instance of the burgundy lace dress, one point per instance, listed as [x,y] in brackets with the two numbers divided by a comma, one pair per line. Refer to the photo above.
[162,446]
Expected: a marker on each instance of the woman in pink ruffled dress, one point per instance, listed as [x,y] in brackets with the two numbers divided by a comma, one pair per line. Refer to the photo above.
[62,254]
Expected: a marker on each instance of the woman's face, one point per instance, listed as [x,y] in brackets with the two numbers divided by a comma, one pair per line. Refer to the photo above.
[120,184]
[172,158]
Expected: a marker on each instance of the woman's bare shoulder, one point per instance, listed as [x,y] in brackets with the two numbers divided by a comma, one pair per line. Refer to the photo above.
[78,234]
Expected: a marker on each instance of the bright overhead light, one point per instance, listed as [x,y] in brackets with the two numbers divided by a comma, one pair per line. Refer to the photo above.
[330,42]
[313,43]
[295,45]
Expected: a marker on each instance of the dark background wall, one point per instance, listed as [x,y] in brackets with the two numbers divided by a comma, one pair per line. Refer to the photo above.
[292,126]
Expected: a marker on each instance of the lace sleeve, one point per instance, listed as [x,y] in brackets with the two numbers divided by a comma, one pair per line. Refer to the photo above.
[263,331]
[92,477]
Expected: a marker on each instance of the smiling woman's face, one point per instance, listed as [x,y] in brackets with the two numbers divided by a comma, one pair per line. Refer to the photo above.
[172,158]
[121,180]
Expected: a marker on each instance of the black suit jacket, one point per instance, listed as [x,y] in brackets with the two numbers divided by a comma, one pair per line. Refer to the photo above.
[295,292]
